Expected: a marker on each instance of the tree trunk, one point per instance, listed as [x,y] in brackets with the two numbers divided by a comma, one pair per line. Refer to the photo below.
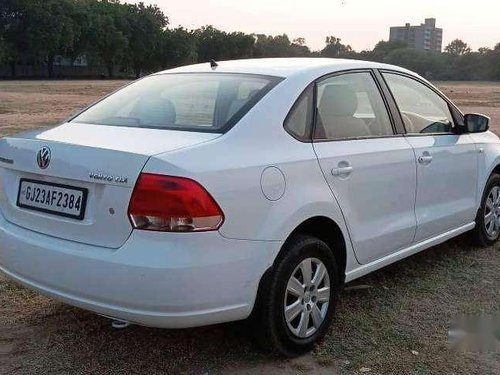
[137,71]
[110,70]
[13,69]
[50,66]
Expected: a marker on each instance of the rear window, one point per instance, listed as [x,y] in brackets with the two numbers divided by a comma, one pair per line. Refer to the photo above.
[211,102]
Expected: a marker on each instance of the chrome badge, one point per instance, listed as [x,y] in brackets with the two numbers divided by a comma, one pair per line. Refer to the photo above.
[107,177]
[43,157]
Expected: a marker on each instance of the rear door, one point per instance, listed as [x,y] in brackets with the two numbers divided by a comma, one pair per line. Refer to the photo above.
[369,168]
[446,160]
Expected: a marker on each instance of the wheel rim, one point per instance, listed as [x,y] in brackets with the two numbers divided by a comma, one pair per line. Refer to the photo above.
[307,297]
[492,213]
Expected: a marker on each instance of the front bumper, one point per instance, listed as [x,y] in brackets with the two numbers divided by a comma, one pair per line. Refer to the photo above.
[168,280]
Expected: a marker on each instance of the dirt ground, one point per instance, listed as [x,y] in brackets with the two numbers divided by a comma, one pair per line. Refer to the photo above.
[394,321]
[482,97]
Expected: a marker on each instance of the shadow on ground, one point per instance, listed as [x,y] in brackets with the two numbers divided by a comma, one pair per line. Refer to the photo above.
[383,320]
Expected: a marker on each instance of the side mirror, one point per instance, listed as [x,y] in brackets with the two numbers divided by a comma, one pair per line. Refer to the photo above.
[476,123]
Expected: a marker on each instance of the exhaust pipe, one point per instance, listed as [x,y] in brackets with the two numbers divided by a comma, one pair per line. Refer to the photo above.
[120,324]
[117,323]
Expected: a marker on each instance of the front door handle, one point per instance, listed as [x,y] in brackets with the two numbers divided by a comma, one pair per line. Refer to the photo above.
[425,158]
[344,169]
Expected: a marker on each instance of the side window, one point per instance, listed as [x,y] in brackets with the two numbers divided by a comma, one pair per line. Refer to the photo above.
[423,110]
[299,121]
[351,106]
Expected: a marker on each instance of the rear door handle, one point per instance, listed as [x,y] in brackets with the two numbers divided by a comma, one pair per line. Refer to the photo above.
[425,158]
[342,170]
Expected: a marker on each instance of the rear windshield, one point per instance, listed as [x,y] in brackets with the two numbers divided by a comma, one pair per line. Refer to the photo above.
[211,102]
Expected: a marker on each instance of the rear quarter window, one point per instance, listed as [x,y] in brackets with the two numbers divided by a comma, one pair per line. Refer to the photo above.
[299,121]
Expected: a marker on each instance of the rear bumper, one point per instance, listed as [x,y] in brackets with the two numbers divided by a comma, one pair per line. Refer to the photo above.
[155,279]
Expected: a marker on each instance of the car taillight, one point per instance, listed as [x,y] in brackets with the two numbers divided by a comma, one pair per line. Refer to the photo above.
[172,204]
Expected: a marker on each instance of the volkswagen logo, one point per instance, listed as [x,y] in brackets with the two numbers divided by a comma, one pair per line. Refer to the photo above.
[43,157]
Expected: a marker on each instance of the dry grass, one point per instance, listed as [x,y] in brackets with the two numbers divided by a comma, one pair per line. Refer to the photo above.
[31,104]
[407,306]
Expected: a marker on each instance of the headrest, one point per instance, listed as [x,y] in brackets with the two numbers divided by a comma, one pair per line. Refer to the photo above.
[237,104]
[338,100]
[155,111]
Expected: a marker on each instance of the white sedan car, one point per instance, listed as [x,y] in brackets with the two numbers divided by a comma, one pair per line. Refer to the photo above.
[243,189]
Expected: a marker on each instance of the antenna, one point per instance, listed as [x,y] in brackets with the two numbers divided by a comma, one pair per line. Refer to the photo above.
[213,64]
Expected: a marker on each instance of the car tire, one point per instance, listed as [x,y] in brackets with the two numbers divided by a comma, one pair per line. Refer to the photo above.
[488,215]
[280,332]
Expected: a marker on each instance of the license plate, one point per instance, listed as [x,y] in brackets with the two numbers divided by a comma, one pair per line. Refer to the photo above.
[56,199]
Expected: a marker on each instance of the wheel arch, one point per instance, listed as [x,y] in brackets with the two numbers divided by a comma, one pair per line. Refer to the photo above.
[483,183]
[482,191]
[328,231]
[321,227]
[325,229]
[489,164]
[496,170]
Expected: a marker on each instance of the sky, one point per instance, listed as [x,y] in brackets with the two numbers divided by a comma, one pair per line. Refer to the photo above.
[359,23]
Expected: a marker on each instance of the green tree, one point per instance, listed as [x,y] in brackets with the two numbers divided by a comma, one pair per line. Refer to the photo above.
[457,48]
[484,50]
[107,34]
[299,41]
[3,50]
[49,30]
[219,45]
[272,46]
[144,32]
[471,66]
[383,48]
[494,63]
[6,52]
[298,48]
[177,47]
[239,45]
[335,48]
[13,32]
[81,15]
[135,37]
[423,62]
[210,43]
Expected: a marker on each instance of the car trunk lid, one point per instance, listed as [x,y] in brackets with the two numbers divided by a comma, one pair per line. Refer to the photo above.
[103,161]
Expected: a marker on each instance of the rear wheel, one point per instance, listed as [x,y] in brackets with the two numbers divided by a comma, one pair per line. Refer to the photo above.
[296,308]
[487,230]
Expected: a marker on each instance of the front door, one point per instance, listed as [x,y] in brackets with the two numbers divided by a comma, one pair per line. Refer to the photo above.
[446,161]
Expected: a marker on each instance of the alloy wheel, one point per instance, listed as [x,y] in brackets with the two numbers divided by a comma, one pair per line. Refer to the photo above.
[307,297]
[492,213]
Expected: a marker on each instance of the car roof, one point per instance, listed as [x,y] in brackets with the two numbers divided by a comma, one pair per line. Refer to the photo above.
[284,67]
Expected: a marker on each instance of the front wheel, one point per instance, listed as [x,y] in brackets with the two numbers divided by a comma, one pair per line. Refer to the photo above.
[487,228]
[296,308]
